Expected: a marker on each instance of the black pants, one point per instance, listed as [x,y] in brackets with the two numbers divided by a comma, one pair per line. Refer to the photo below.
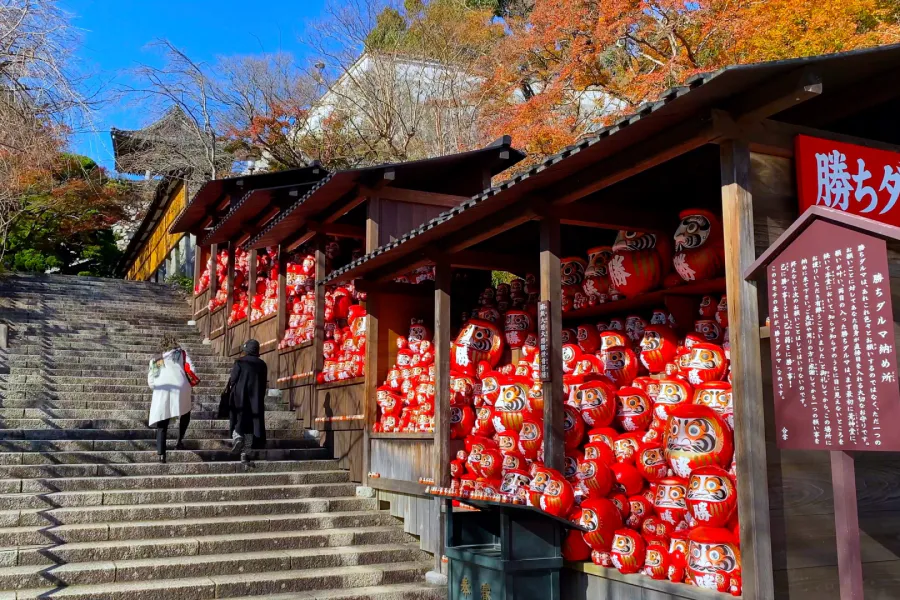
[162,428]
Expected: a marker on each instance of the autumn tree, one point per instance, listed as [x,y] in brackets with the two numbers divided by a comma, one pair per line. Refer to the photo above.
[570,66]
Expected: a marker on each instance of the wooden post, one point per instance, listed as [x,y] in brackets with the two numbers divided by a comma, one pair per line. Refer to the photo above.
[213,285]
[229,300]
[551,291]
[370,408]
[251,287]
[198,270]
[846,526]
[319,336]
[440,469]
[282,294]
[373,214]
[746,372]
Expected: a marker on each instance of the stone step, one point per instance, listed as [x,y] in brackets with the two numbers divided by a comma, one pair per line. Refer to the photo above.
[245,584]
[143,433]
[118,413]
[174,511]
[180,528]
[203,388]
[145,456]
[284,422]
[250,584]
[123,571]
[14,446]
[181,475]
[103,361]
[140,497]
[143,396]
[211,406]
[172,547]
[127,370]
[402,591]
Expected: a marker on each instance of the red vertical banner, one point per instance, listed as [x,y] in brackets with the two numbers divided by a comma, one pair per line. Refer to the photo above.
[855,179]
[832,342]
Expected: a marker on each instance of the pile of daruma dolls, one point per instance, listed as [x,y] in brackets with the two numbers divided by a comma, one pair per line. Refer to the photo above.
[345,335]
[300,284]
[265,296]
[221,260]
[240,286]
[639,262]
[649,471]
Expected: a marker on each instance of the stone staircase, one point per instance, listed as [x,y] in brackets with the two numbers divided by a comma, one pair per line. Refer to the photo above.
[86,512]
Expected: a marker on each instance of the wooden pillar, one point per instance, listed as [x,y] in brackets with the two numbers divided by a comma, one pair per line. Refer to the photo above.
[551,291]
[251,287]
[441,464]
[229,300]
[213,284]
[198,270]
[319,335]
[282,294]
[373,217]
[370,408]
[746,372]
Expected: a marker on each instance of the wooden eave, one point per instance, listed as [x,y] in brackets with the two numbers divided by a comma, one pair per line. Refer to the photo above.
[433,181]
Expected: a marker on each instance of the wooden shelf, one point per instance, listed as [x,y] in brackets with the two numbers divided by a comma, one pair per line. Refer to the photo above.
[648,300]
[305,344]
[676,590]
[398,486]
[401,436]
[236,323]
[764,333]
[337,384]
[263,320]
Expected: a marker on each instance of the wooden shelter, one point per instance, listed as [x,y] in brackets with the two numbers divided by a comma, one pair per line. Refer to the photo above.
[724,142]
[304,207]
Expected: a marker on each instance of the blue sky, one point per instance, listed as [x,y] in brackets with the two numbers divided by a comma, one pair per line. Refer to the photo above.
[115,34]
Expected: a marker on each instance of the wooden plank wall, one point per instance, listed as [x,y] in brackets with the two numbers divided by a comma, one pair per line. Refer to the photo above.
[217,331]
[396,218]
[804,550]
[417,513]
[236,336]
[402,459]
[343,438]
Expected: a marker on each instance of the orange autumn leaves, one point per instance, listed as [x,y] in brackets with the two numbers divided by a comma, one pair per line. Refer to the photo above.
[573,65]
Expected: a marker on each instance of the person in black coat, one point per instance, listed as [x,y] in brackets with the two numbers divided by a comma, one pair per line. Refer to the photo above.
[244,401]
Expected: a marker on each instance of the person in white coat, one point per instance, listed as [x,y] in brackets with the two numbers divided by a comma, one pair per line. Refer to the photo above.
[171,392]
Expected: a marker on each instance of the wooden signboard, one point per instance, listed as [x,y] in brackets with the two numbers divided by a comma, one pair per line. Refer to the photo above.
[544,338]
[833,360]
[832,342]
[855,179]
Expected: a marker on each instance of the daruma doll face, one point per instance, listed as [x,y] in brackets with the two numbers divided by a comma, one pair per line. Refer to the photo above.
[697,437]
[711,550]
[711,496]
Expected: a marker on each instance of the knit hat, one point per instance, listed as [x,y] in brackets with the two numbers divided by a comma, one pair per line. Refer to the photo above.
[251,347]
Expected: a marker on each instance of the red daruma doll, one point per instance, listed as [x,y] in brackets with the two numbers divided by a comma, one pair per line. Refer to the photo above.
[601,519]
[478,340]
[711,496]
[558,497]
[711,550]
[628,551]
[697,437]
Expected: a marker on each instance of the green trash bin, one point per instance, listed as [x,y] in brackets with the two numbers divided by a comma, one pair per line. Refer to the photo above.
[503,552]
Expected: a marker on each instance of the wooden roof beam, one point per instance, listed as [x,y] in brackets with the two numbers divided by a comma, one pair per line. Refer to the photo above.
[298,239]
[337,229]
[776,95]
[663,147]
[415,196]
[494,261]
[614,217]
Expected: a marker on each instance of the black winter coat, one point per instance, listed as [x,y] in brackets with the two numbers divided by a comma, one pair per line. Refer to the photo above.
[245,398]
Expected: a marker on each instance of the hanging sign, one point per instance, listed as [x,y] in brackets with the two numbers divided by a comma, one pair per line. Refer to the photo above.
[856,179]
[544,338]
[834,369]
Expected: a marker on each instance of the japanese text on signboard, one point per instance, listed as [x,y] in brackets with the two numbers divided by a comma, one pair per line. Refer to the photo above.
[856,179]
[832,342]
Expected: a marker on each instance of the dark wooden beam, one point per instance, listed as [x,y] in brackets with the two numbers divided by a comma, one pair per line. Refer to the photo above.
[847,101]
[749,417]
[337,229]
[777,95]
[298,239]
[485,229]
[350,201]
[777,138]
[373,224]
[551,292]
[416,196]
[609,216]
[493,261]
[680,139]
[392,287]
[440,470]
